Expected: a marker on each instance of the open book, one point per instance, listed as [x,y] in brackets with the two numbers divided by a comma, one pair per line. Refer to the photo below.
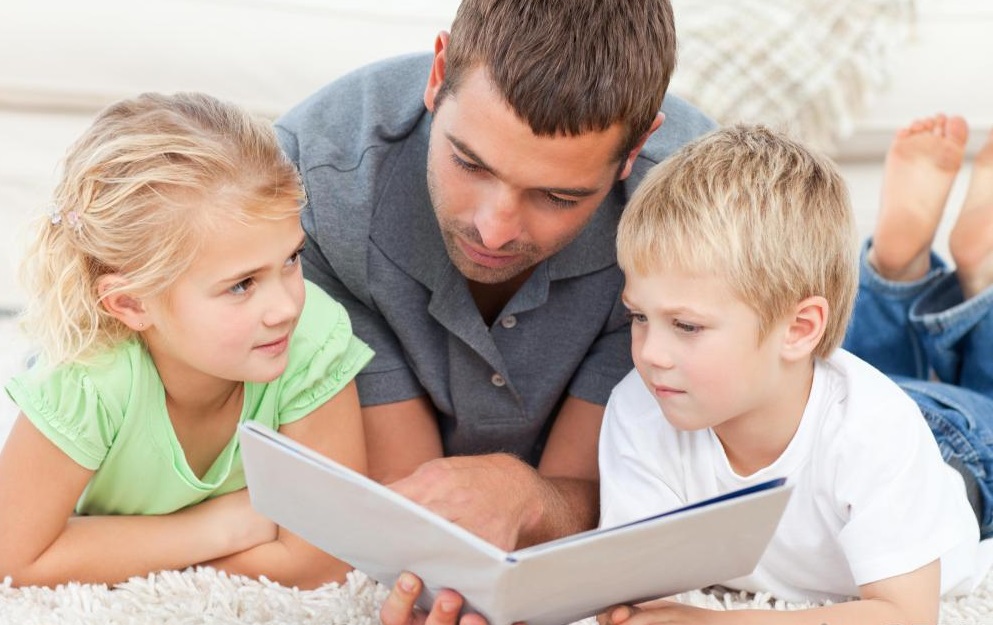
[381,534]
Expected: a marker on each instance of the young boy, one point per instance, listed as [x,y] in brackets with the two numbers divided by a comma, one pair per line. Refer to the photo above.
[738,255]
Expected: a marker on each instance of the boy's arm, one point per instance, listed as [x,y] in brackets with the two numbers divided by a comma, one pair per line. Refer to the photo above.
[42,543]
[909,598]
[334,430]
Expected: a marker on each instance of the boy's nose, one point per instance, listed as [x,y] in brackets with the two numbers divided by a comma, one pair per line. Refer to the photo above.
[655,352]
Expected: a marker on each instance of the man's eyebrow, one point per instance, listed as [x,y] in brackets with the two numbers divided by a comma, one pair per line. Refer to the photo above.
[479,162]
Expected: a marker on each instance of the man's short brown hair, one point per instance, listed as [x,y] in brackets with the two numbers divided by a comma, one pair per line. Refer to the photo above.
[569,66]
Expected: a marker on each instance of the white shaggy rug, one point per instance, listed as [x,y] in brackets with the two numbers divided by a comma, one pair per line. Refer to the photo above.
[204,595]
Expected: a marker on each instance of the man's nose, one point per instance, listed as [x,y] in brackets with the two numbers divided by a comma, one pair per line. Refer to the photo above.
[498,220]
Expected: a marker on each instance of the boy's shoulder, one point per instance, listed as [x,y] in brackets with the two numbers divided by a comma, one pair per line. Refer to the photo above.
[861,412]
[865,387]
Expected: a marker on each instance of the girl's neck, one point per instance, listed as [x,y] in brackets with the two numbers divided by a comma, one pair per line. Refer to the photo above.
[194,391]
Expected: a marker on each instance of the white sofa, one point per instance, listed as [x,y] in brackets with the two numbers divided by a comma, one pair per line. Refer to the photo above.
[73,58]
[62,60]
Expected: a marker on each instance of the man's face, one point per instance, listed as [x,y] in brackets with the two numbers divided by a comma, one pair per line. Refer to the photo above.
[505,198]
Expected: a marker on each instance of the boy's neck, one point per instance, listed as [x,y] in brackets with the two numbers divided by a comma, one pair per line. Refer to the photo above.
[758,440]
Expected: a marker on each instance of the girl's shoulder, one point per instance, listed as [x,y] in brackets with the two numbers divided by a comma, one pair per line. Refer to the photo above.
[80,406]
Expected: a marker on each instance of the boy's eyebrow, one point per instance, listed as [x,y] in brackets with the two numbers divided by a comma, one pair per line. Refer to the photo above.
[479,162]
[245,274]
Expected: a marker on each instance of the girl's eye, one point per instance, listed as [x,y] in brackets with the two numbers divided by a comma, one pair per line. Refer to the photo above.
[294,258]
[242,287]
[464,164]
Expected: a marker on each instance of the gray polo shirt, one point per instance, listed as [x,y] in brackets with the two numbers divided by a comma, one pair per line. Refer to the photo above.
[374,244]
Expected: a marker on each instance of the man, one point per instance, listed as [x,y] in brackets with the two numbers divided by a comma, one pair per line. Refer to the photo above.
[468,227]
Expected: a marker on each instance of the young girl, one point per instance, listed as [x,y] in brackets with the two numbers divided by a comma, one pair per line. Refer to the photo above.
[167,296]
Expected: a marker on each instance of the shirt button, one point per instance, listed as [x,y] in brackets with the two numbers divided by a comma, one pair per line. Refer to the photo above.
[509,321]
[498,380]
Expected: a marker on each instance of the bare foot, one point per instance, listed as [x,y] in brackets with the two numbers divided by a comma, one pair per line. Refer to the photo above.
[971,239]
[921,166]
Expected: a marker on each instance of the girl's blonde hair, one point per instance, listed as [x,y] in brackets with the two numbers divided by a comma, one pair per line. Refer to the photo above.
[140,194]
[757,209]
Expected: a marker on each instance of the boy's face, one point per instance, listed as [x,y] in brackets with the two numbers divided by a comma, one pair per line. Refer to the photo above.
[230,316]
[697,349]
[505,198]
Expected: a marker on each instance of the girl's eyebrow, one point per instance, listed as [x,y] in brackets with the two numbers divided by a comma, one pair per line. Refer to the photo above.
[247,274]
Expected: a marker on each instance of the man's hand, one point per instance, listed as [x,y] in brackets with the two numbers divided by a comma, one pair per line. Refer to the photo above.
[496,496]
[400,606]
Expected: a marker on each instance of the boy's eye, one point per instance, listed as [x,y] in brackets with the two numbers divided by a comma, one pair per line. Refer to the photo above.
[687,328]
[636,317]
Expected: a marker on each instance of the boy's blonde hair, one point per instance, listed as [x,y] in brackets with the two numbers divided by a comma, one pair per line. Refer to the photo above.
[757,209]
[141,192]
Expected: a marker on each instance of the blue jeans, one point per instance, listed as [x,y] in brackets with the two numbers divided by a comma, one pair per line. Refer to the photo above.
[939,349]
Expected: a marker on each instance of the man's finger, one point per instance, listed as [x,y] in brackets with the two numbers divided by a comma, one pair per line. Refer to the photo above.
[398,608]
[446,608]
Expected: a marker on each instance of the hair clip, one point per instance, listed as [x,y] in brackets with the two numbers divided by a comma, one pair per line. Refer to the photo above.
[73,219]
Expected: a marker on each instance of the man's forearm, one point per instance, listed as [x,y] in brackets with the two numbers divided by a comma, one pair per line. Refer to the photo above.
[567,506]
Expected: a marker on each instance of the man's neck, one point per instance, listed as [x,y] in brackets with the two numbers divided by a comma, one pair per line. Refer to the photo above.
[492,298]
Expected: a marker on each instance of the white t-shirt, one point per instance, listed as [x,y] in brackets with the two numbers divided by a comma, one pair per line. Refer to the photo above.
[871,498]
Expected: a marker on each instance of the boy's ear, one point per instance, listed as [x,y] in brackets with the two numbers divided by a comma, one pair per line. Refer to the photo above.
[121,304]
[804,331]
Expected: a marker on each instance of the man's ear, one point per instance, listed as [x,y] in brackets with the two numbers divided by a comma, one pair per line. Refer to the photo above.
[633,154]
[805,330]
[437,75]
[112,288]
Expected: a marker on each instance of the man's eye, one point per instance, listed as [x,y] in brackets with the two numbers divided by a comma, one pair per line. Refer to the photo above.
[560,201]
[464,164]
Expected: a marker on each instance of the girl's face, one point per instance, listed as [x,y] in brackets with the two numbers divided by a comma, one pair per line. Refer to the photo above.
[231,314]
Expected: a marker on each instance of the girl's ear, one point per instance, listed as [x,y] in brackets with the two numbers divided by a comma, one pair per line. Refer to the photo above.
[121,304]
[804,331]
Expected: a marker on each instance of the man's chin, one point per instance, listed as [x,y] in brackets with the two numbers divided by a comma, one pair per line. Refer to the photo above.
[488,275]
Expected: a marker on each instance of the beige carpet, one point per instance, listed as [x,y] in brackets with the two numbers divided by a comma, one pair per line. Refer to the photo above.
[206,596]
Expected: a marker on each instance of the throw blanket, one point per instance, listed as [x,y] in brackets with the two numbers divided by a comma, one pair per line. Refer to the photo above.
[807,66]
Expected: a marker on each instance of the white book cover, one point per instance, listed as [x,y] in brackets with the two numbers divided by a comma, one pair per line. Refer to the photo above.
[382,534]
